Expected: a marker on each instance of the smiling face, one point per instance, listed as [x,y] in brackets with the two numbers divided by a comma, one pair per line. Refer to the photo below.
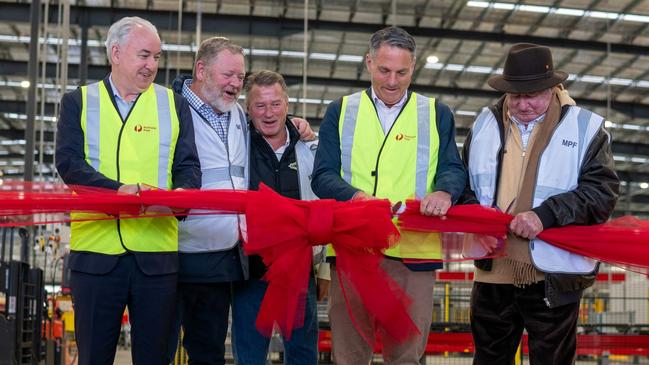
[267,108]
[135,62]
[527,107]
[220,81]
[390,70]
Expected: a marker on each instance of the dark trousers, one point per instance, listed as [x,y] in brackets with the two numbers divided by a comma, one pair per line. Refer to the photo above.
[500,312]
[204,309]
[99,303]
[251,347]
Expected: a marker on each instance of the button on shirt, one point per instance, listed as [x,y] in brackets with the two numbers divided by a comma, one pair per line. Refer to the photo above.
[526,129]
[387,115]
[220,122]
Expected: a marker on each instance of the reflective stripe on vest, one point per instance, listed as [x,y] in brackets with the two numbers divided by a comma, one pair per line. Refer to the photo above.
[482,176]
[138,150]
[220,174]
[558,172]
[304,156]
[398,166]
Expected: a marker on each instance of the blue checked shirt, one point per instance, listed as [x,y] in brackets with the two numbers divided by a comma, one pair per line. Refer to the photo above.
[220,122]
[526,129]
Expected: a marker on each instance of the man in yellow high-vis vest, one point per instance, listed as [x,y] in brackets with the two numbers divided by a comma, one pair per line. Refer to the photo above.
[390,143]
[127,134]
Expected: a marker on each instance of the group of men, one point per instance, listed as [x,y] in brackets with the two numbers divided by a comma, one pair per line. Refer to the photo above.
[128,134]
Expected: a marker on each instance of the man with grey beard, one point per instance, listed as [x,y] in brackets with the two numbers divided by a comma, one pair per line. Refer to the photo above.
[211,254]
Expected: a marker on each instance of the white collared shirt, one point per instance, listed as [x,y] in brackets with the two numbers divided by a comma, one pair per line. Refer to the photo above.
[387,115]
[527,128]
[123,106]
[279,152]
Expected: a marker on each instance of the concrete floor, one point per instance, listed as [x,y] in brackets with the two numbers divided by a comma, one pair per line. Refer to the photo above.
[123,357]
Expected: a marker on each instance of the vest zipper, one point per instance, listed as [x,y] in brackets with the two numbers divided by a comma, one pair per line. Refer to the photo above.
[378,156]
[119,144]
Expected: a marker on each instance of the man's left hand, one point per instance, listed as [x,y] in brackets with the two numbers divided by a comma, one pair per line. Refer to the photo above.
[526,225]
[303,127]
[435,204]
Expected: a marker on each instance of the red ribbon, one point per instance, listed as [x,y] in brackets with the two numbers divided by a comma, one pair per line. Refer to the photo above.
[279,229]
[283,232]
[622,242]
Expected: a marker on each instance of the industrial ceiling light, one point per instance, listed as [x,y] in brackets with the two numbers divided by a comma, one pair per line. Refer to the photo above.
[24,84]
[432,59]
[560,11]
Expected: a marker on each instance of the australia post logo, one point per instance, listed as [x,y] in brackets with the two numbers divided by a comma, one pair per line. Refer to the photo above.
[139,128]
[403,137]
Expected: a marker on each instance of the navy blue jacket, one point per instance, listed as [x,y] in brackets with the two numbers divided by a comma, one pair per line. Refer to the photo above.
[74,170]
[328,184]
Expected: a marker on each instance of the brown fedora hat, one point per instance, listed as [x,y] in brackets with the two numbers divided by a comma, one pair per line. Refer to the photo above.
[528,69]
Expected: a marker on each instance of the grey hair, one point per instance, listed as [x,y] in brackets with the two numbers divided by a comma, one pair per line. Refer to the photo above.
[394,37]
[264,78]
[118,32]
[211,47]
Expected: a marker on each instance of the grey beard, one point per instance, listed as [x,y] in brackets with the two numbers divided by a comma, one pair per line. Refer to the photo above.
[216,102]
[219,105]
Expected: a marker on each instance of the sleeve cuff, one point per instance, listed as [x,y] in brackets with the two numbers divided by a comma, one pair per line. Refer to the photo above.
[546,216]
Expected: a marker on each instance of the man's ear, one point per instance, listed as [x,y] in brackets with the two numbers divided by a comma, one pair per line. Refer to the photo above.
[200,70]
[368,61]
[114,54]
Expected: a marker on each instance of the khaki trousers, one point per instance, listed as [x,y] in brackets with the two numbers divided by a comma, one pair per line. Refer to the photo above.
[349,347]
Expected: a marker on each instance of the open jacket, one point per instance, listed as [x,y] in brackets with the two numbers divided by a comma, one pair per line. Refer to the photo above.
[591,202]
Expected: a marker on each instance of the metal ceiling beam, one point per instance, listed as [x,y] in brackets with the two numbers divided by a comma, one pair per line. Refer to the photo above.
[631,109]
[276,27]
[19,68]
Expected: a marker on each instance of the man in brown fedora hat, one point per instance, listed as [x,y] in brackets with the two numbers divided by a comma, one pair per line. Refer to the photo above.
[538,156]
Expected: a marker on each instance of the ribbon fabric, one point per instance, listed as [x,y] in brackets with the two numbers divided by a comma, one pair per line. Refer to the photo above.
[622,242]
[281,230]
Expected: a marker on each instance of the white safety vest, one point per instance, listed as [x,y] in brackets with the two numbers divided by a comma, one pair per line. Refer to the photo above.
[305,155]
[221,169]
[558,172]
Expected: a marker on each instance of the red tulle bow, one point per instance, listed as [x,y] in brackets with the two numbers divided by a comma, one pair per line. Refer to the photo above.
[283,232]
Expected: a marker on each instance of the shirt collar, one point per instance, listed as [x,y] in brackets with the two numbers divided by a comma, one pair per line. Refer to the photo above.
[380,102]
[282,147]
[528,125]
[116,92]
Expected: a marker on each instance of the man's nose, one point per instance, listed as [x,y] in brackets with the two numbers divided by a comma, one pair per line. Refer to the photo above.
[392,80]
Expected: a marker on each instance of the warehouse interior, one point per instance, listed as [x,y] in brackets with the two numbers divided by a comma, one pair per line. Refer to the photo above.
[319,47]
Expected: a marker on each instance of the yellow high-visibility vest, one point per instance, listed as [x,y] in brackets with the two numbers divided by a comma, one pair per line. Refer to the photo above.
[138,150]
[397,165]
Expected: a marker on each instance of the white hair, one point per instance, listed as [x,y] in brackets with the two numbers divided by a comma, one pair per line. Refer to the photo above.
[118,32]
